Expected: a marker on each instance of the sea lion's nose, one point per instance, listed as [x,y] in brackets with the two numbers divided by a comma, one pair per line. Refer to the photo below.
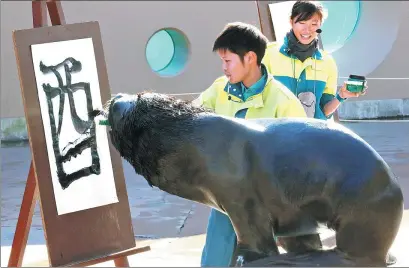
[119,108]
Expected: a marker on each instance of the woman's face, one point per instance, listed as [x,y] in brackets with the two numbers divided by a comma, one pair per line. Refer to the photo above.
[305,31]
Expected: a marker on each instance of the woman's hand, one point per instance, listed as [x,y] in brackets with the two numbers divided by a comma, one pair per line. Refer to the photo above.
[345,94]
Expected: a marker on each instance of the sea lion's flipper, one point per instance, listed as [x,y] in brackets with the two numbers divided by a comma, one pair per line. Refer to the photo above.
[301,244]
[325,258]
[243,254]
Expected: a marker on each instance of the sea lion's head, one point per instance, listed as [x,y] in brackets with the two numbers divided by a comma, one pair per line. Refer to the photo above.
[145,127]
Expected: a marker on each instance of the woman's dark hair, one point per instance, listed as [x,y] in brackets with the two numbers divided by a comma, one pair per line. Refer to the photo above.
[303,10]
[240,38]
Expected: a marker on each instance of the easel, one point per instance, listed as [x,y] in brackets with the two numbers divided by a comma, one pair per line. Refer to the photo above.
[31,192]
[267,28]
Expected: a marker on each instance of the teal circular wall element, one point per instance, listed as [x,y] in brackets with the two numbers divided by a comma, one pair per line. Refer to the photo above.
[343,17]
[167,52]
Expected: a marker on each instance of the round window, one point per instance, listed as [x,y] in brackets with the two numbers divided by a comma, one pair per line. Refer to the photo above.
[343,17]
[167,52]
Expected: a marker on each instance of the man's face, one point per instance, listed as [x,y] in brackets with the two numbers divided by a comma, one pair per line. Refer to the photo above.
[234,69]
[305,30]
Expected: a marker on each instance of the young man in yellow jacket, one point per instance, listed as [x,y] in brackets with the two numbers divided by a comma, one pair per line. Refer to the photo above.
[246,90]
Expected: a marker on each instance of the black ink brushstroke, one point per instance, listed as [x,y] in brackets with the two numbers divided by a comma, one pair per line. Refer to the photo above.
[76,150]
[72,143]
[71,65]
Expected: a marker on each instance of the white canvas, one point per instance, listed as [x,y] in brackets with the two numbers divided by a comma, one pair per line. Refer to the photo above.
[92,190]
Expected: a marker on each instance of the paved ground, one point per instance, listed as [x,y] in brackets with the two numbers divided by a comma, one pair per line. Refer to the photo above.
[176,226]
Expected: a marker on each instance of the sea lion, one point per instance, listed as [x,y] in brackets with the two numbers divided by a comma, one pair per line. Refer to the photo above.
[284,177]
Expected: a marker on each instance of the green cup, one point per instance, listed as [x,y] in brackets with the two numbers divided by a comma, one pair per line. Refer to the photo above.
[356,84]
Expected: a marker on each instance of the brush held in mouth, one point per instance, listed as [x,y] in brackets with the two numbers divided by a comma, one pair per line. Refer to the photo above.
[97,112]
[104,122]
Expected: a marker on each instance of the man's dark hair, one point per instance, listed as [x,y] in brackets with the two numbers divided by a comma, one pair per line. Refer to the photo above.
[304,10]
[240,38]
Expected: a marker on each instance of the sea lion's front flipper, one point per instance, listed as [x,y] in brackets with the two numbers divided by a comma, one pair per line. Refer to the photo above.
[255,234]
[243,254]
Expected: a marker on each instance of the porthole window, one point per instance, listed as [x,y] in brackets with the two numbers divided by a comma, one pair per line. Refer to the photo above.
[340,24]
[167,52]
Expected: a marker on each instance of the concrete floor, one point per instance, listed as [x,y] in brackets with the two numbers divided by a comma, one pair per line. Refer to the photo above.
[175,227]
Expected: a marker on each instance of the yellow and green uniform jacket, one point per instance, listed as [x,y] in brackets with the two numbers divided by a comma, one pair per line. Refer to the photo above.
[267,98]
[317,74]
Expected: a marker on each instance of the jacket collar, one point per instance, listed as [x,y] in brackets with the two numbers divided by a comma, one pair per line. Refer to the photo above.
[284,50]
[239,92]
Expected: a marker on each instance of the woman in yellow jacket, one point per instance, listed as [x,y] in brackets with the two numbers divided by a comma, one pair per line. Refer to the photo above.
[310,73]
[246,91]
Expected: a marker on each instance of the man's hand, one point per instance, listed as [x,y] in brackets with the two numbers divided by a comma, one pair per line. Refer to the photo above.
[345,94]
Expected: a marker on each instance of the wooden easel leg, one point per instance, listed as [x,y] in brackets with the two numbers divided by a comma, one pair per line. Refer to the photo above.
[121,262]
[39,10]
[56,12]
[24,220]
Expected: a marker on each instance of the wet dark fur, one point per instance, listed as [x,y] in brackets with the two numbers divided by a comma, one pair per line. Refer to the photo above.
[283,179]
[139,137]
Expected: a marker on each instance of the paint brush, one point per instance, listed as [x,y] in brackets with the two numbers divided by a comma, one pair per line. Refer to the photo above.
[97,112]
[104,122]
